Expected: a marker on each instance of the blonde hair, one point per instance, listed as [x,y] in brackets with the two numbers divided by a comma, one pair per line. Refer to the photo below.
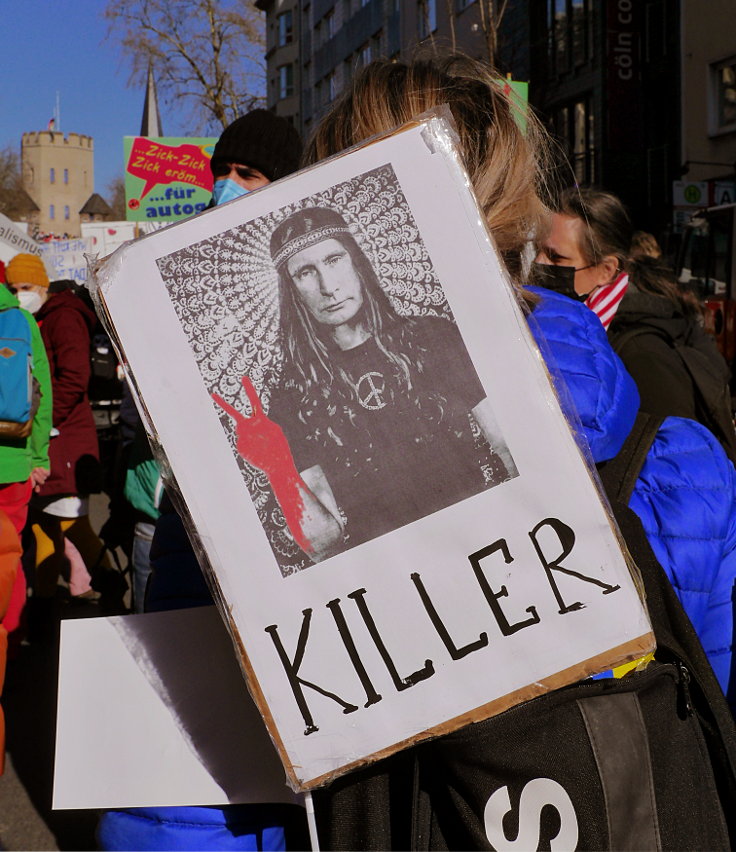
[507,167]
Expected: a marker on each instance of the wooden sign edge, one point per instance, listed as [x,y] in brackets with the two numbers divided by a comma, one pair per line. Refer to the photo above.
[629,651]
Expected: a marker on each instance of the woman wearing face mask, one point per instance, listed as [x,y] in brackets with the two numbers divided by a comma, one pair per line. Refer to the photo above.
[24,462]
[655,328]
[585,252]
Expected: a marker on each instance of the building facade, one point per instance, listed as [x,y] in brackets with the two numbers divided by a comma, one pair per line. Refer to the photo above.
[57,171]
[283,77]
[637,93]
[605,78]
[315,46]
[709,96]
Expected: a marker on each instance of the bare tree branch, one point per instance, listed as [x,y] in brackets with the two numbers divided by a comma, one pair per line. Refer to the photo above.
[206,54]
[13,199]
[491,16]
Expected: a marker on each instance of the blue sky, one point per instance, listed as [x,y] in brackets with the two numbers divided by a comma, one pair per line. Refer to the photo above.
[51,46]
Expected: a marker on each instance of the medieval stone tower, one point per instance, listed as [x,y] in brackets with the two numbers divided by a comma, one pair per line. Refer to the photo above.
[58,174]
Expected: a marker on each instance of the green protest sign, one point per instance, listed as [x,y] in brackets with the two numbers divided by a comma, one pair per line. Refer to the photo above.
[518,94]
[166,178]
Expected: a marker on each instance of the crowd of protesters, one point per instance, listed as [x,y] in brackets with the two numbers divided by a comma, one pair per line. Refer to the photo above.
[618,333]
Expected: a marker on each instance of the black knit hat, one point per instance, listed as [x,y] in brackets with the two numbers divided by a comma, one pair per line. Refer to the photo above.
[262,140]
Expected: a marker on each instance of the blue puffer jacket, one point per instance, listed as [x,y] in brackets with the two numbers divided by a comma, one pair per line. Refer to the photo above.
[685,495]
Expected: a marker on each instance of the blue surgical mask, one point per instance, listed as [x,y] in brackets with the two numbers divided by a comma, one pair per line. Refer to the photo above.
[226,189]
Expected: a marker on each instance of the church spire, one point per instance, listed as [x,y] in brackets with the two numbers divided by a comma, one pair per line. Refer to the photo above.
[151,121]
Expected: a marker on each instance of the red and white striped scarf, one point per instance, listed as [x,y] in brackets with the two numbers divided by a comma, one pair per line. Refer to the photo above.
[605,300]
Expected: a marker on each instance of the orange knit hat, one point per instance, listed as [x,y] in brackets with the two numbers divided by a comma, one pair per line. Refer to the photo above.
[27,269]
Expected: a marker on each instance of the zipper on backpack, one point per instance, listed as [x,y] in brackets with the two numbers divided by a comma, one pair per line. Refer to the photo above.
[687,704]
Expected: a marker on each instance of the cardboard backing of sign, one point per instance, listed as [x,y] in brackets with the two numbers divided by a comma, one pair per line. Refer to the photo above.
[394,516]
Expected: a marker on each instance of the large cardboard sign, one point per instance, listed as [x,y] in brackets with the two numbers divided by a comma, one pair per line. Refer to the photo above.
[166,178]
[395,514]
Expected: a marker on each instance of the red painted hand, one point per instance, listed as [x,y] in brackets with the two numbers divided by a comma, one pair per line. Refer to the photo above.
[261,442]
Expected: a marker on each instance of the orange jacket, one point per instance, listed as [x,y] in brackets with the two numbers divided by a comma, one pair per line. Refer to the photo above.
[10,551]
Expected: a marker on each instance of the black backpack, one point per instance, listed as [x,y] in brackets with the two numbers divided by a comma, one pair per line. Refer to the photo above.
[708,373]
[104,383]
[647,761]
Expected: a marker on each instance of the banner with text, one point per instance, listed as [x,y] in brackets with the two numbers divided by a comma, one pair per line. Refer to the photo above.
[166,178]
[65,258]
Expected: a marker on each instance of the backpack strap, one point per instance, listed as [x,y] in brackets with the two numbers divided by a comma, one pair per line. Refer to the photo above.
[619,475]
[619,340]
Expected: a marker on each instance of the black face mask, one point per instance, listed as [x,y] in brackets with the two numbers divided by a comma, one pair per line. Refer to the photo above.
[561,279]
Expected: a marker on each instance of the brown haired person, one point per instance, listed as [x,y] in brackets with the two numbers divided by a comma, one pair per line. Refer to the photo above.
[451,793]
[656,329]
[644,244]
[585,250]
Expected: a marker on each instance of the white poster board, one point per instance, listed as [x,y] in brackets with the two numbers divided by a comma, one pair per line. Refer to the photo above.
[506,581]
[128,700]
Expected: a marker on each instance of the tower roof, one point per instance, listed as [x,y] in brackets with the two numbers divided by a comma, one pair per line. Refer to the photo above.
[151,121]
[96,205]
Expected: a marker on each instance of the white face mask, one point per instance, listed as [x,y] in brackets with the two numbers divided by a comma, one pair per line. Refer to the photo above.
[30,300]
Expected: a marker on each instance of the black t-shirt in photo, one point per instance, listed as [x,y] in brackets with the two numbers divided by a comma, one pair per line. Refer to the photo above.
[390,453]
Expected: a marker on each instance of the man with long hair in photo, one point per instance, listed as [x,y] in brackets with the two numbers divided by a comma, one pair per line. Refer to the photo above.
[375,407]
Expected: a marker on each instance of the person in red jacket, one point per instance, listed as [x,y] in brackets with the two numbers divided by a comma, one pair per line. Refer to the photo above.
[60,508]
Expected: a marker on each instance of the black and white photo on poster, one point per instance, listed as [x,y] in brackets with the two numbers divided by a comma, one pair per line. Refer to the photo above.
[324,337]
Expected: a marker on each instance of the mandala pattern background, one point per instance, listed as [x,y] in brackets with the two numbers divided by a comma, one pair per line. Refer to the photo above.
[225,293]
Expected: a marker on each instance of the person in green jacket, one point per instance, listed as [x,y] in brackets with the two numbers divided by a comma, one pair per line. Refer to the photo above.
[24,462]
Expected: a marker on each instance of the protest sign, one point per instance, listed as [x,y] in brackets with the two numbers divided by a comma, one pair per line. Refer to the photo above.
[13,240]
[398,521]
[170,744]
[65,258]
[167,178]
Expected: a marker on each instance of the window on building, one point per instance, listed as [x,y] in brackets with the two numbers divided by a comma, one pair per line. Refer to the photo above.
[580,35]
[331,86]
[329,25]
[723,96]
[560,36]
[569,34]
[364,55]
[364,3]
[52,175]
[66,175]
[286,81]
[574,126]
[426,17]
[286,28]
[52,211]
[66,211]
[463,4]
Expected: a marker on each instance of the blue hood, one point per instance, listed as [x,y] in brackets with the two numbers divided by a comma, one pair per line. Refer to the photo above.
[576,349]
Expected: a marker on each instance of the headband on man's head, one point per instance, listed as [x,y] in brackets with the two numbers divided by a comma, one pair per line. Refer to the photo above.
[303,229]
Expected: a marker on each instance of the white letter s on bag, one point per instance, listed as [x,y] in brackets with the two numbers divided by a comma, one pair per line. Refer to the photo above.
[536,794]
